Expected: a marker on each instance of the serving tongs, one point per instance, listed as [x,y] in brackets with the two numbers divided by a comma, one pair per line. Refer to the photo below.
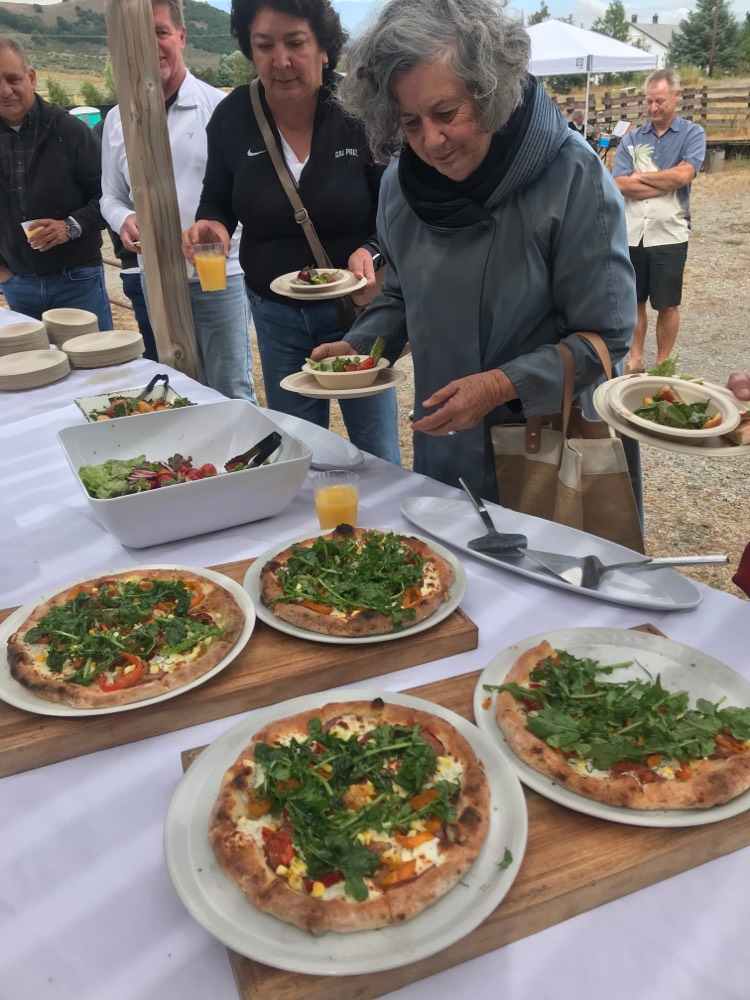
[149,388]
[255,456]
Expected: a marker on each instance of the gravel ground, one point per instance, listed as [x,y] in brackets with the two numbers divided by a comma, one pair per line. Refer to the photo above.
[693,505]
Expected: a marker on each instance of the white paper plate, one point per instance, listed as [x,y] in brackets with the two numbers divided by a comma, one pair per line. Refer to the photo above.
[330,451]
[283,286]
[342,276]
[16,694]
[219,906]
[681,668]
[456,521]
[306,385]
[627,396]
[713,447]
[252,585]
[31,369]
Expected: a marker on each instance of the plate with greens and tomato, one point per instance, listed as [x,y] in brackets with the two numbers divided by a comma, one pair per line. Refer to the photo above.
[621,725]
[317,283]
[123,640]
[355,585]
[675,407]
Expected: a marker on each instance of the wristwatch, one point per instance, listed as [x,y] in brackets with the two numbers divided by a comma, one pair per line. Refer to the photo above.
[72,228]
[378,260]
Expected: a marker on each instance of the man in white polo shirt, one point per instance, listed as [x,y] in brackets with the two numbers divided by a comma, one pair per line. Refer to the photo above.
[221,318]
[654,167]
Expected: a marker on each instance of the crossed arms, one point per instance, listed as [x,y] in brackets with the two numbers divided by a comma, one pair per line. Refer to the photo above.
[639,186]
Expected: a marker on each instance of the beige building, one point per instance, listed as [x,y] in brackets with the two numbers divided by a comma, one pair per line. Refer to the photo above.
[651,36]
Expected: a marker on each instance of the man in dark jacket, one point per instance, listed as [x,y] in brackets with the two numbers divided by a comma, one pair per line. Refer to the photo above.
[50,176]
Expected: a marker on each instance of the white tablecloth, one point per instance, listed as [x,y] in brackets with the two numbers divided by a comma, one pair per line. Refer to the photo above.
[87,908]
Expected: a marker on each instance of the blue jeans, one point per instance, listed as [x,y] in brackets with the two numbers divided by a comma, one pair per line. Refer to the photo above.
[76,287]
[287,335]
[133,289]
[222,323]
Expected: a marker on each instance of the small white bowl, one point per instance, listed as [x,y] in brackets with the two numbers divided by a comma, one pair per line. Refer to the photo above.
[348,380]
[305,286]
[627,397]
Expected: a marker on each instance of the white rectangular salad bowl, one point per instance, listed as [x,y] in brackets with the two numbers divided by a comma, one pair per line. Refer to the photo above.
[211,432]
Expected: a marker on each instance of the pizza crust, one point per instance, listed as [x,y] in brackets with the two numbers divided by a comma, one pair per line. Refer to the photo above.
[244,861]
[217,601]
[361,623]
[712,782]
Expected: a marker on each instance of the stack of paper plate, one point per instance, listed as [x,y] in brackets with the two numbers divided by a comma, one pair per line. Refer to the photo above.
[111,347]
[62,324]
[28,335]
[30,369]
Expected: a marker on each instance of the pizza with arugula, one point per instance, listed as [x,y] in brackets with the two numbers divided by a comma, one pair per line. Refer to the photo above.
[125,637]
[350,817]
[625,743]
[356,582]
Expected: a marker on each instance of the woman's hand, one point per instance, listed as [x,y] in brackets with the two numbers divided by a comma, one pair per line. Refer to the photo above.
[332,350]
[739,383]
[205,231]
[464,402]
[361,266]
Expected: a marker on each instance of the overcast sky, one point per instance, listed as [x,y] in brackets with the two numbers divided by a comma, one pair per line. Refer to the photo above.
[586,11]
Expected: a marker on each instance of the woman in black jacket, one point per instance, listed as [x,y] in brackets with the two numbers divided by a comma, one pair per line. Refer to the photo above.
[294,45]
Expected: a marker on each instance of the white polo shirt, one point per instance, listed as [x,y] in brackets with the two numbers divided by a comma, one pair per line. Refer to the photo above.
[186,124]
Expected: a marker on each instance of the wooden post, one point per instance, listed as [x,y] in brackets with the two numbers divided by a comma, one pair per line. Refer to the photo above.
[135,63]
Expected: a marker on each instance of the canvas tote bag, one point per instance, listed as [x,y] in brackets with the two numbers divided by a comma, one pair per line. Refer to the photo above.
[567,469]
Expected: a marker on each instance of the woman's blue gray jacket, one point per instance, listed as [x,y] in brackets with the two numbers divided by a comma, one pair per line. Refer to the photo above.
[551,259]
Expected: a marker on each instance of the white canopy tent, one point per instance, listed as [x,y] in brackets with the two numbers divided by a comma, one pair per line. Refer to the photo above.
[559,48]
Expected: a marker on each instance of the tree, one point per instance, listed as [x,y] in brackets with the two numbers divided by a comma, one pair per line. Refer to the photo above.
[234,70]
[745,42]
[709,37]
[613,22]
[91,94]
[56,94]
[540,15]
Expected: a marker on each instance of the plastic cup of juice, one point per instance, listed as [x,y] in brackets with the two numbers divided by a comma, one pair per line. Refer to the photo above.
[211,265]
[336,499]
[29,228]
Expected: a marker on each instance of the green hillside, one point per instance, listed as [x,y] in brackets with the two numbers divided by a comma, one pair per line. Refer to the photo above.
[72,34]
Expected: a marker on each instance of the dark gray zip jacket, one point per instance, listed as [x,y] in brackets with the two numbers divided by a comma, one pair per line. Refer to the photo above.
[550,259]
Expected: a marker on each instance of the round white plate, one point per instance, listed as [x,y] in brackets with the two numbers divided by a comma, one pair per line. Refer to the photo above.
[681,668]
[456,522]
[252,585]
[627,396]
[103,342]
[219,906]
[330,451]
[706,448]
[294,282]
[306,385]
[16,694]
[30,369]
[283,286]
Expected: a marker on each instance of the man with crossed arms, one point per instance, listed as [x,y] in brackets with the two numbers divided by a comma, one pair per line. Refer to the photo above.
[654,167]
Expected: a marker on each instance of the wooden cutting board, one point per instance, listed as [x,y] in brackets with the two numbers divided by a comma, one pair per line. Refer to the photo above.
[272,667]
[572,864]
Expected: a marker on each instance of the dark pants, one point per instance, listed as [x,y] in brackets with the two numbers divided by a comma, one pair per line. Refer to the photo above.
[658,273]
[75,287]
[133,289]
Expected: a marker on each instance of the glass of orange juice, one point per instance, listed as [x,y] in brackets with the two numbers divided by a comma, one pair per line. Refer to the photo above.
[336,498]
[211,265]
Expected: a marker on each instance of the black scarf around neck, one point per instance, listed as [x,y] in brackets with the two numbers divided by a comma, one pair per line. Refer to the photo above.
[440,201]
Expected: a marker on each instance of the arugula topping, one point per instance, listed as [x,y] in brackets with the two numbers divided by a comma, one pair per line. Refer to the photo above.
[572,709]
[506,861]
[94,629]
[686,416]
[307,782]
[349,576]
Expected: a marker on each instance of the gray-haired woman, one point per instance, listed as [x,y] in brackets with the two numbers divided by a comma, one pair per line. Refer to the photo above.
[502,233]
